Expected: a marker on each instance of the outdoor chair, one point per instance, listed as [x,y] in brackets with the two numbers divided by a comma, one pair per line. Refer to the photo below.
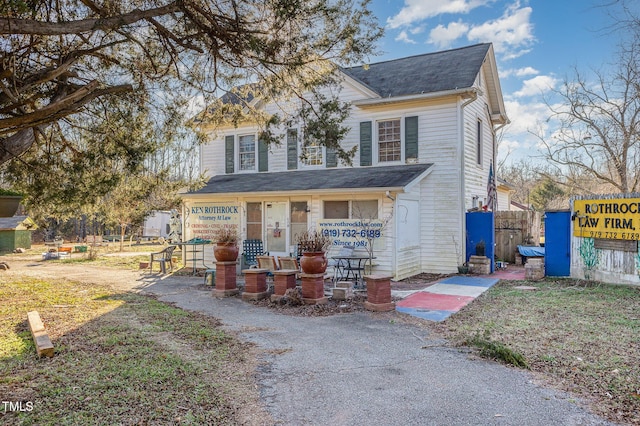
[267,262]
[297,251]
[338,264]
[250,250]
[288,263]
[163,257]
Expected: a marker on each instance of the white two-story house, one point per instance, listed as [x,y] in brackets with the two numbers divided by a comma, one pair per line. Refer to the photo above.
[424,128]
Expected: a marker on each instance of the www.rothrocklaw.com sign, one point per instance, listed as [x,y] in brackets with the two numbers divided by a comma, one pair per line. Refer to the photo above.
[202,220]
[353,232]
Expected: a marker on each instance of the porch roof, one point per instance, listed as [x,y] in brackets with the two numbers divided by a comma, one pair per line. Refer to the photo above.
[319,180]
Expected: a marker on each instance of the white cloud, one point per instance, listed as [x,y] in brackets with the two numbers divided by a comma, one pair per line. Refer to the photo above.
[525,117]
[519,72]
[418,10]
[510,33]
[519,140]
[536,86]
[443,36]
[523,72]
[528,122]
[403,36]
[417,30]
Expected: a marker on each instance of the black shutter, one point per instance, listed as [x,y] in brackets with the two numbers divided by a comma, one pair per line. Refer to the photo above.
[292,149]
[365,143]
[410,137]
[263,156]
[228,154]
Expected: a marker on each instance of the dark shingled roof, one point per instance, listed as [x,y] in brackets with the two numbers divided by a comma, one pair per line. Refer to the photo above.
[432,72]
[13,222]
[315,179]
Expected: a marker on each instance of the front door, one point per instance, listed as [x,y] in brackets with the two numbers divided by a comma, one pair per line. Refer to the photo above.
[276,228]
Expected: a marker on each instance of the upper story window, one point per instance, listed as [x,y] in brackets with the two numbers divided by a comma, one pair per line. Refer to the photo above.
[389,140]
[479,143]
[312,155]
[247,152]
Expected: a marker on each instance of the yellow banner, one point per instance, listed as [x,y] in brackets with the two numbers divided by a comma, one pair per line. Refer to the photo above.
[614,219]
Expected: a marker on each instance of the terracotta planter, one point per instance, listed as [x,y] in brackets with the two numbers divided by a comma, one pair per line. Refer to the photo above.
[9,205]
[313,262]
[225,252]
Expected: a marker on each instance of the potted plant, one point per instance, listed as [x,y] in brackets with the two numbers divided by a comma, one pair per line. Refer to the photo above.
[313,244]
[226,248]
[9,202]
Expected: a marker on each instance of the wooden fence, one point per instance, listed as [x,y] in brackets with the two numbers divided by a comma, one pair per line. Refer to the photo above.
[515,228]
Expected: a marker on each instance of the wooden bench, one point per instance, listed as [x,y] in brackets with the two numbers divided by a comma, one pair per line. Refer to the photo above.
[40,336]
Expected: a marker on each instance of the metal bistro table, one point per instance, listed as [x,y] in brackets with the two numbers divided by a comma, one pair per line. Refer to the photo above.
[352,268]
[195,247]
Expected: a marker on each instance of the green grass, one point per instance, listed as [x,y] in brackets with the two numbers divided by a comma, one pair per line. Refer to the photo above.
[583,336]
[121,358]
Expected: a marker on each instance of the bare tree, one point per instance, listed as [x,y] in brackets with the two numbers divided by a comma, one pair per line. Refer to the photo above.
[599,122]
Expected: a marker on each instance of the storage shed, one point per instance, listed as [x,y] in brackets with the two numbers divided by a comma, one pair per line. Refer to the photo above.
[15,232]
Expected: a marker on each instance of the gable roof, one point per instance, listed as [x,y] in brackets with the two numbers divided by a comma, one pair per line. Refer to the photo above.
[438,72]
[434,74]
[18,223]
[347,178]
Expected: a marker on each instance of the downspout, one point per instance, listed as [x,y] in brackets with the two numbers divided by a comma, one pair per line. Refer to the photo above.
[463,225]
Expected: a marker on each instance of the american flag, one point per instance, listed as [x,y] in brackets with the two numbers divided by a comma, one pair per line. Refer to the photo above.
[492,196]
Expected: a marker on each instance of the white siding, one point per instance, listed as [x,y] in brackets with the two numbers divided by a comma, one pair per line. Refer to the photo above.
[504,200]
[476,175]
[446,131]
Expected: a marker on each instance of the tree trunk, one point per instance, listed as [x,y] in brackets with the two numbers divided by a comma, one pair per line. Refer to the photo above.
[16,144]
[123,228]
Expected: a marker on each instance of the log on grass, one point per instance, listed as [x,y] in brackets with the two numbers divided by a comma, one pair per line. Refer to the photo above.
[40,336]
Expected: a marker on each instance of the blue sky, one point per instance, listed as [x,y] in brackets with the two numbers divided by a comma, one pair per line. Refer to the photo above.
[537,45]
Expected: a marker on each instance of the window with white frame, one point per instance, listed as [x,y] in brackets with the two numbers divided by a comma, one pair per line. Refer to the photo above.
[389,140]
[364,209]
[355,209]
[312,154]
[247,152]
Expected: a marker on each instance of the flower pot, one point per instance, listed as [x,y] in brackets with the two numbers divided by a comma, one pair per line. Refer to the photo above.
[9,205]
[225,252]
[313,262]
[463,269]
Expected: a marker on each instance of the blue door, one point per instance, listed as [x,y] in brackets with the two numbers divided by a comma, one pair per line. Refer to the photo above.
[557,244]
[481,227]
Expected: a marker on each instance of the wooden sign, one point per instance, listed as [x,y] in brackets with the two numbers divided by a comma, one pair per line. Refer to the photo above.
[612,219]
